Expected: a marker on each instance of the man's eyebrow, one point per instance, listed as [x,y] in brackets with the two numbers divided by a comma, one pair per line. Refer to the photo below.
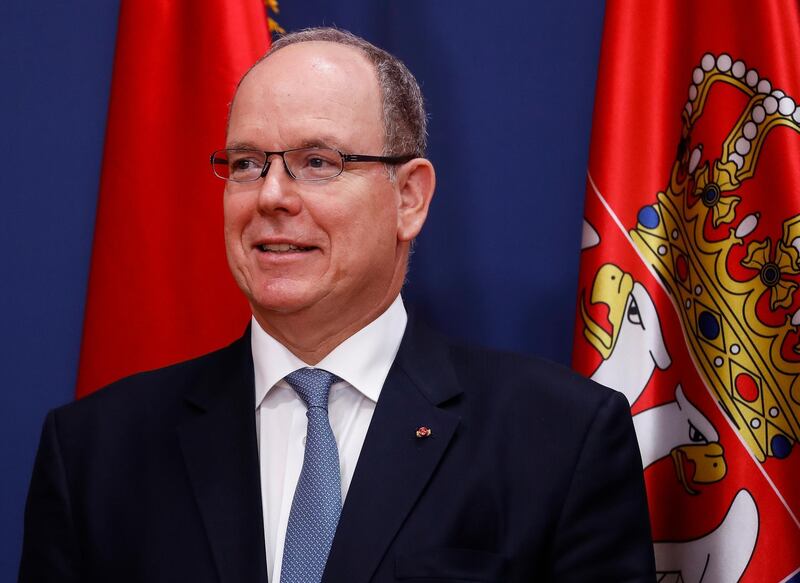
[241,146]
[322,142]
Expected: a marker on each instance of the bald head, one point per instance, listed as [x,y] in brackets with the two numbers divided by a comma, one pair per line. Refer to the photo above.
[319,92]
[402,106]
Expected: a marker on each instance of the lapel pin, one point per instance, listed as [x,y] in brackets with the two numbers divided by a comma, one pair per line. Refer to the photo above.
[423,432]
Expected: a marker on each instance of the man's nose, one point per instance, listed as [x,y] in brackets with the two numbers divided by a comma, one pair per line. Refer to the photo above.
[278,192]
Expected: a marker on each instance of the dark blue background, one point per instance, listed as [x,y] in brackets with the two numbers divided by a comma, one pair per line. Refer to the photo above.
[510,93]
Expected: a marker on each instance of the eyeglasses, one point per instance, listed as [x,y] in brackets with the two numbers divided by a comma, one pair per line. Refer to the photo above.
[308,164]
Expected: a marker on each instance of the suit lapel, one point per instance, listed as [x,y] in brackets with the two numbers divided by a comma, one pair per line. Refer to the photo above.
[220,451]
[395,465]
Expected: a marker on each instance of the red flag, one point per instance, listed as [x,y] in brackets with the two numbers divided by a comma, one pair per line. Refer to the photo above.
[690,269]
[159,287]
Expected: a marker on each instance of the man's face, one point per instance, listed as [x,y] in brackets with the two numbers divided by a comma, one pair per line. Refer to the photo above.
[332,247]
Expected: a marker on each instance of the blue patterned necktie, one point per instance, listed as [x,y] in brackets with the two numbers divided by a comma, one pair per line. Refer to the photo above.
[317,501]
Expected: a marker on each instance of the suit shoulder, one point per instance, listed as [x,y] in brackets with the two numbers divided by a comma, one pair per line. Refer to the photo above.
[526,378]
[158,388]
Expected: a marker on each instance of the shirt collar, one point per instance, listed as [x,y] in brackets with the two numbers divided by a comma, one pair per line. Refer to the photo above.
[363,359]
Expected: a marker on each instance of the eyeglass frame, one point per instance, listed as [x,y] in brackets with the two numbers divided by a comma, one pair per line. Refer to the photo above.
[267,163]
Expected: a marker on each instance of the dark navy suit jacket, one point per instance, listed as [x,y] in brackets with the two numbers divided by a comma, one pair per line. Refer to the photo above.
[530,473]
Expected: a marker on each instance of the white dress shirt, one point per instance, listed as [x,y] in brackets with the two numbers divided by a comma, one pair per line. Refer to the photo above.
[362,362]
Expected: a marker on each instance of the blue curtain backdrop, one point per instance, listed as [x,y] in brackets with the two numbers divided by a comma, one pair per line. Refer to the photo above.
[510,92]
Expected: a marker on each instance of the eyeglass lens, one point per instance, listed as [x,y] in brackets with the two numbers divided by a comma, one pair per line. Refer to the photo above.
[303,164]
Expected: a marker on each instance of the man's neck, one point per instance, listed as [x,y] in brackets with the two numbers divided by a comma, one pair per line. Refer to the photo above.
[311,338]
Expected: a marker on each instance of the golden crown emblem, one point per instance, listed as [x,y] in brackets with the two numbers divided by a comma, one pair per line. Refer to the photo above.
[733,292]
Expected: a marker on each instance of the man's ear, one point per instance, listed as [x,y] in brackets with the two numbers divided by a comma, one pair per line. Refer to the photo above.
[416,181]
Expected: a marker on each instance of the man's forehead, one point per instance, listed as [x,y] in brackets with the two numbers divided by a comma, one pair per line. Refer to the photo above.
[304,90]
[309,59]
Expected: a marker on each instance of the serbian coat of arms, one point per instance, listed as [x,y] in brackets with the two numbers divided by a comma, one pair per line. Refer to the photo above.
[688,294]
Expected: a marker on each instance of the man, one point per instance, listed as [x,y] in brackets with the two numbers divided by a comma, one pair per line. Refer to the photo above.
[337,435]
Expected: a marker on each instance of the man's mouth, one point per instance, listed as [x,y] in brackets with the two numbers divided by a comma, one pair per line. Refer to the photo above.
[283,248]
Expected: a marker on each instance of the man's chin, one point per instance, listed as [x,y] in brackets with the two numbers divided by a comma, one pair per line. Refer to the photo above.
[281,304]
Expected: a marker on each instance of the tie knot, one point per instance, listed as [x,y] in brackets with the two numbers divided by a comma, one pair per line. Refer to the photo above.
[313,385]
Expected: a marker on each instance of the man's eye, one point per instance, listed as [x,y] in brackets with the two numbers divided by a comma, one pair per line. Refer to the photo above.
[316,162]
[242,164]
